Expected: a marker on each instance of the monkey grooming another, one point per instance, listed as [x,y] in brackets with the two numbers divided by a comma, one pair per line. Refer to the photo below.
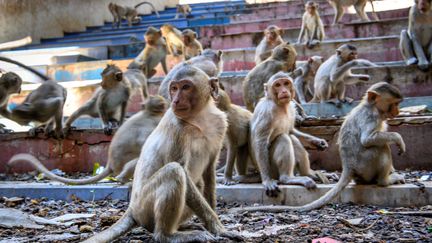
[192,47]
[130,14]
[283,58]
[184,9]
[175,173]
[272,38]
[124,149]
[10,83]
[416,43]
[108,102]
[312,28]
[335,73]
[209,61]
[303,82]
[138,81]
[173,38]
[359,6]
[154,52]
[364,146]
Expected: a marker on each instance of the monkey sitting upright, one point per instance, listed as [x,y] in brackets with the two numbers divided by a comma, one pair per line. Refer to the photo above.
[130,14]
[173,38]
[10,83]
[359,6]
[364,146]
[303,82]
[154,52]
[335,73]
[416,43]
[175,174]
[312,29]
[272,38]
[124,148]
[108,102]
[192,47]
[184,9]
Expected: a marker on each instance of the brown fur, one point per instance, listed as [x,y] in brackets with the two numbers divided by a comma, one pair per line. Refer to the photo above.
[272,38]
[192,47]
[312,29]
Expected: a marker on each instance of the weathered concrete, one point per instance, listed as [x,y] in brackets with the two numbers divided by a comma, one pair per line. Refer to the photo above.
[393,196]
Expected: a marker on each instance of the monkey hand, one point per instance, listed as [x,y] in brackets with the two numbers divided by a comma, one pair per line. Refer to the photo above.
[230,235]
[4,130]
[108,130]
[271,187]
[228,181]
[364,78]
[364,62]
[401,145]
[411,61]
[320,144]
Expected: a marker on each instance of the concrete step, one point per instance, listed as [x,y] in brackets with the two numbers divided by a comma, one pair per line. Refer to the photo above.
[407,195]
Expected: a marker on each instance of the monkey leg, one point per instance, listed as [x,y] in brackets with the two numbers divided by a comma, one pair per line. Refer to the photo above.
[385,170]
[406,47]
[229,167]
[127,172]
[83,110]
[339,13]
[360,10]
[4,130]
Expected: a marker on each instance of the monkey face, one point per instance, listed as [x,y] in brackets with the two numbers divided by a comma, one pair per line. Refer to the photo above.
[11,82]
[387,105]
[271,35]
[283,91]
[349,55]
[310,8]
[184,97]
[186,39]
[111,76]
[424,6]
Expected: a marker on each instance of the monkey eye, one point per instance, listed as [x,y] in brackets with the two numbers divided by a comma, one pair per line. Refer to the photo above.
[277,85]
[286,83]
[186,87]
[173,88]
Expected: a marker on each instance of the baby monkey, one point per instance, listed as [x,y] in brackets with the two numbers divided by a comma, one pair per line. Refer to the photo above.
[192,47]
[272,38]
[364,146]
[130,14]
[312,29]
[184,9]
[10,83]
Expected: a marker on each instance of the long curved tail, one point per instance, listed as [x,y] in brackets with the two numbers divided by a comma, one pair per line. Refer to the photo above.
[5,59]
[41,168]
[123,225]
[342,183]
[151,5]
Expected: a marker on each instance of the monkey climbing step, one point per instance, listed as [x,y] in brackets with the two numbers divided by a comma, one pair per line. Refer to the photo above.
[407,195]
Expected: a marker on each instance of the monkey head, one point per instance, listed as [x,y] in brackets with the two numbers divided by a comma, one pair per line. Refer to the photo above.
[215,56]
[272,32]
[314,63]
[152,35]
[280,88]
[11,82]
[311,7]
[285,52]
[190,91]
[347,52]
[155,104]
[188,36]
[165,29]
[386,98]
[424,6]
[111,76]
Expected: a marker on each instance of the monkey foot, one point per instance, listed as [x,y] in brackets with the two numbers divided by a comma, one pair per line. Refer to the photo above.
[298,180]
[271,187]
[4,130]
[230,235]
[423,67]
[35,130]
[347,100]
[411,61]
[191,226]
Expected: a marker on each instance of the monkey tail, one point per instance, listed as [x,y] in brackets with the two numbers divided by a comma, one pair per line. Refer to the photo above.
[342,183]
[5,59]
[151,5]
[123,225]
[41,168]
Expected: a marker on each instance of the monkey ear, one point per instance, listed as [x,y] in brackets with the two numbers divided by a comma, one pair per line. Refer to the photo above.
[219,53]
[195,35]
[310,60]
[338,52]
[280,31]
[372,96]
[214,86]
[322,59]
[119,76]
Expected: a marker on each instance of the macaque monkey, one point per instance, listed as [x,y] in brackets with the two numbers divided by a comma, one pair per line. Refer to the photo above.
[124,149]
[359,6]
[10,83]
[283,58]
[303,82]
[276,148]
[130,14]
[154,52]
[16,43]
[364,146]
[416,43]
[272,38]
[175,173]
[108,102]
[184,9]
[173,38]
[312,29]
[209,61]
[192,47]
[335,73]
[135,76]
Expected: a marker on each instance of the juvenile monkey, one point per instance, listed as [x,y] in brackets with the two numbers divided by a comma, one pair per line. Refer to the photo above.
[312,29]
[154,52]
[173,38]
[276,148]
[10,83]
[416,43]
[124,149]
[130,14]
[184,9]
[272,38]
[303,82]
[364,146]
[359,6]
[283,58]
[209,61]
[135,76]
[335,73]
[108,102]
[192,47]
[175,173]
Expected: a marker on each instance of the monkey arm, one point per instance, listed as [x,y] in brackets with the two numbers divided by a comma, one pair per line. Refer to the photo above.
[371,137]
[304,136]
[418,49]
[209,179]
[337,72]
[260,146]
[356,78]
[302,30]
